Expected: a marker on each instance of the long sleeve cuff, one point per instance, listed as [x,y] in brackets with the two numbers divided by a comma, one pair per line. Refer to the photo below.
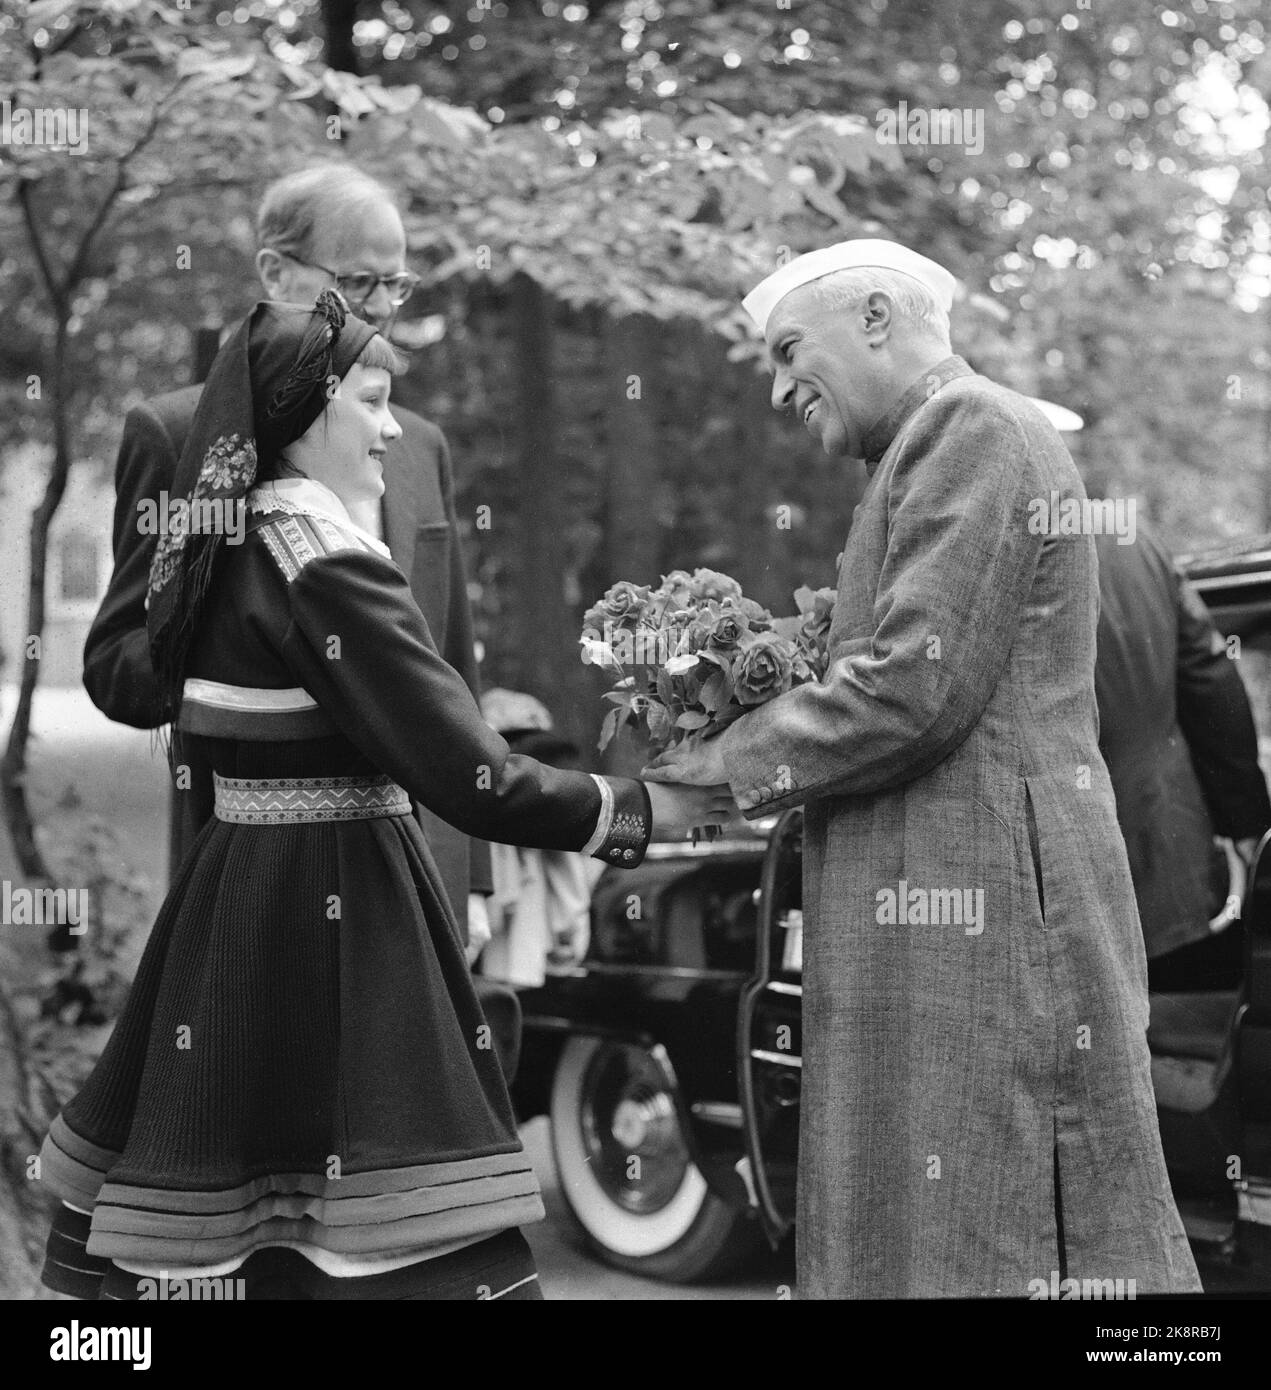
[624,825]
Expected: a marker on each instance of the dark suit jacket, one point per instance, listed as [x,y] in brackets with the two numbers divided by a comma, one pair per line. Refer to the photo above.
[421,532]
[1177,734]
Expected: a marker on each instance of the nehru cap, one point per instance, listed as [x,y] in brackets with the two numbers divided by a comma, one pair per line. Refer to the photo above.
[863,254]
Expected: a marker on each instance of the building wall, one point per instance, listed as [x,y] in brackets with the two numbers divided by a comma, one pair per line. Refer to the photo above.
[79,563]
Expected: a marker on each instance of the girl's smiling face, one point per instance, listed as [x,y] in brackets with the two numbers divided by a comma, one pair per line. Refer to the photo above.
[345,446]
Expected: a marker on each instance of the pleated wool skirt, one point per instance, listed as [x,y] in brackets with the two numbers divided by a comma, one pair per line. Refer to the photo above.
[302,1058]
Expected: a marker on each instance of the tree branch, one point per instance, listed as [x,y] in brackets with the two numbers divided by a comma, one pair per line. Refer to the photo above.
[76,267]
[51,286]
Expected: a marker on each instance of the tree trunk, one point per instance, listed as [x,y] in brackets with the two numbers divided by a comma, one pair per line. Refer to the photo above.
[545,648]
[338,17]
[632,407]
[13,766]
[764,551]
[23,1208]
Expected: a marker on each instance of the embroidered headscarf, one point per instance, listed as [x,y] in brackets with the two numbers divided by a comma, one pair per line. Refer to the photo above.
[268,384]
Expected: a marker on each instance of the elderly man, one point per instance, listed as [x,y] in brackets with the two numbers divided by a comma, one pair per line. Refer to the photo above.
[323,226]
[977,1111]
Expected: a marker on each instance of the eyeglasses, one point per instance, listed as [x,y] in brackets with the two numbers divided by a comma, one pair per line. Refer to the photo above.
[359,285]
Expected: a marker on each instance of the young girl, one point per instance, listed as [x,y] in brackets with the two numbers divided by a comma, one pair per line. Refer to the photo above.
[301,1092]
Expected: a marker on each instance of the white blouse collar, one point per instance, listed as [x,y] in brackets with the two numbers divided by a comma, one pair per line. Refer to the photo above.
[308,496]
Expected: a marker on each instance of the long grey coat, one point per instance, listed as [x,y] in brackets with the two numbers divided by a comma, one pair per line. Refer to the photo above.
[957,1070]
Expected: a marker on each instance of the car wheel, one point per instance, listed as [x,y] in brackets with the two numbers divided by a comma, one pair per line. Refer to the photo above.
[625,1171]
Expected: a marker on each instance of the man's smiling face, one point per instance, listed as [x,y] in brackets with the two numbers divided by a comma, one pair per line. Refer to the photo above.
[830,367]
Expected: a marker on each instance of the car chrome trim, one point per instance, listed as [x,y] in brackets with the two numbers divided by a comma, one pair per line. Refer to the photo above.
[717,1112]
[708,849]
[781,1059]
[679,972]
[776,1224]
[1253,1202]
[1230,581]
[780,987]
[1237,883]
[743,1170]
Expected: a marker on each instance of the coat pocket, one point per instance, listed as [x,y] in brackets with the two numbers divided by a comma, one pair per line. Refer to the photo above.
[1034,850]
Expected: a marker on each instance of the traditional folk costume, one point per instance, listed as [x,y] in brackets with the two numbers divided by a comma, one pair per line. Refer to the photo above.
[302,1062]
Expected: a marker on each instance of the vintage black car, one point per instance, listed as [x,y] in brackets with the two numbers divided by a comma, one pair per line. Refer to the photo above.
[668,1060]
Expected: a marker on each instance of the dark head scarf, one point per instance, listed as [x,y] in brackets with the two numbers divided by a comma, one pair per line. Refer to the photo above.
[268,384]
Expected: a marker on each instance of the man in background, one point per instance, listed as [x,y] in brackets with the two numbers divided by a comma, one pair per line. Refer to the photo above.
[540,910]
[325,226]
[1177,733]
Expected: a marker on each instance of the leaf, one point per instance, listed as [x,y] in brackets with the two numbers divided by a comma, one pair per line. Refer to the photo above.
[210,68]
[692,719]
[826,202]
[658,128]
[609,727]
[659,723]
[717,691]
[43,12]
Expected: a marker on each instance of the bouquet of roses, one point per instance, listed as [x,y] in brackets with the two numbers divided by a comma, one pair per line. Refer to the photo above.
[694,654]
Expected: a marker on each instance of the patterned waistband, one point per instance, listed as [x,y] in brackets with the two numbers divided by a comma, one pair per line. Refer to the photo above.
[293,800]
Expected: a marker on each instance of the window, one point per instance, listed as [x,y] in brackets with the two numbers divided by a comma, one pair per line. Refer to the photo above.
[79,568]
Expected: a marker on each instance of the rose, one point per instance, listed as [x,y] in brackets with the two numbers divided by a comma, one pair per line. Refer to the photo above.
[622,607]
[805,666]
[721,629]
[816,610]
[708,584]
[818,616]
[763,670]
[676,588]
[757,615]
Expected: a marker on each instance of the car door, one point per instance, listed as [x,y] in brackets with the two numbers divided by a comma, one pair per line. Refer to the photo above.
[769,1032]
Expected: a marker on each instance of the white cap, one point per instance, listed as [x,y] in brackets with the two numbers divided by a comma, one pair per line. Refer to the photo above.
[862,254]
[1061,418]
[506,711]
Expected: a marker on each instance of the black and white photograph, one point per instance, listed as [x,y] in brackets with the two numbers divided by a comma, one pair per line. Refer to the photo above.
[635,665]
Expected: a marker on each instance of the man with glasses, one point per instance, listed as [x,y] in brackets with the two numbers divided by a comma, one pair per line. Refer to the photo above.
[325,226]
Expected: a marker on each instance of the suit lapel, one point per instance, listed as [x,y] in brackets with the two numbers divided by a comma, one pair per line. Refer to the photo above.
[400,513]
